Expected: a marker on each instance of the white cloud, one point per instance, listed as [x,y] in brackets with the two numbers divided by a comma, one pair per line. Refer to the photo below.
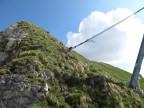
[116,46]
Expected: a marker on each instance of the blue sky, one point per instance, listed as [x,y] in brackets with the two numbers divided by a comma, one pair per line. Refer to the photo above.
[64,19]
[57,16]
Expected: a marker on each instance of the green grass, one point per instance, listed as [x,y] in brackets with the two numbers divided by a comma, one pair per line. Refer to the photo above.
[142,83]
[42,104]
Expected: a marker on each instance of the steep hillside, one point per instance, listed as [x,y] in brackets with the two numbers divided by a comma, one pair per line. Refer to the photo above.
[37,72]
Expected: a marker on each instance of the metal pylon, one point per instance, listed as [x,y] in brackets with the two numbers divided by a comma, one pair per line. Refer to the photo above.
[137,68]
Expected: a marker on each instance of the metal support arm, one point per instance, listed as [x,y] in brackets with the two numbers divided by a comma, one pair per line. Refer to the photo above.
[137,68]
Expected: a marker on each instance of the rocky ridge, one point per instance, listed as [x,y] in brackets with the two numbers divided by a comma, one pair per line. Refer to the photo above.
[16,91]
[36,71]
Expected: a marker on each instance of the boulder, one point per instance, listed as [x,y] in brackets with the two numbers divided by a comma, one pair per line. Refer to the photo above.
[17,91]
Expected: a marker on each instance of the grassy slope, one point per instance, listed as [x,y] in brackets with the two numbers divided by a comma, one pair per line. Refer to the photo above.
[72,75]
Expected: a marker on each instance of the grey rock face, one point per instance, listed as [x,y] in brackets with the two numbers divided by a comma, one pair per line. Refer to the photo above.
[9,39]
[3,56]
[10,44]
[18,91]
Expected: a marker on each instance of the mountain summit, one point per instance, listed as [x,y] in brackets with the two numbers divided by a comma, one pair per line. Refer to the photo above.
[37,72]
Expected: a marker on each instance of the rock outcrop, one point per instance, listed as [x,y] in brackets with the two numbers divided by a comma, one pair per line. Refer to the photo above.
[9,39]
[16,89]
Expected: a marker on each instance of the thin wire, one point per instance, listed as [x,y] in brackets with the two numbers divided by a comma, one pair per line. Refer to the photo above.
[106,29]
